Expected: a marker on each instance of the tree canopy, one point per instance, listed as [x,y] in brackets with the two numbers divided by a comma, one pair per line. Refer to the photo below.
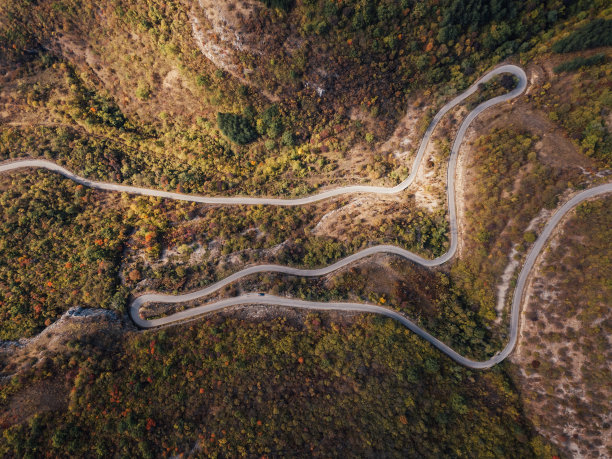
[238,129]
[594,34]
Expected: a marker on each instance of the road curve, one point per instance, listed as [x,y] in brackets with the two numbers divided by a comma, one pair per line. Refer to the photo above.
[244,200]
[251,298]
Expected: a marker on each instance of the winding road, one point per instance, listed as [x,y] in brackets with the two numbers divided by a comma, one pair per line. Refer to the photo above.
[252,298]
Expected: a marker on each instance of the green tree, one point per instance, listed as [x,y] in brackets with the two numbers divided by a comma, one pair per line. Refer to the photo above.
[238,129]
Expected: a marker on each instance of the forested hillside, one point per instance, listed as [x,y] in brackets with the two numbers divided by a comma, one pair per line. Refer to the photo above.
[287,98]
[232,387]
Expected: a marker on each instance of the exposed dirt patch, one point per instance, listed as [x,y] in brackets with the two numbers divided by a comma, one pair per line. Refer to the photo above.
[18,100]
[124,74]
[429,186]
[536,74]
[406,139]
[554,148]
[464,178]
[504,285]
[328,223]
[362,210]
[81,53]
[173,81]
[228,20]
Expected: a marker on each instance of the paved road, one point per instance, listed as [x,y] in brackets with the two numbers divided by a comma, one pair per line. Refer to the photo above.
[520,74]
[252,298]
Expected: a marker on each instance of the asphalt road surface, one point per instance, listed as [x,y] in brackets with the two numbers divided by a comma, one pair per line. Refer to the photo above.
[264,299]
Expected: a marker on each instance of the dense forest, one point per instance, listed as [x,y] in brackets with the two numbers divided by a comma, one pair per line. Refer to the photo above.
[592,35]
[234,388]
[61,247]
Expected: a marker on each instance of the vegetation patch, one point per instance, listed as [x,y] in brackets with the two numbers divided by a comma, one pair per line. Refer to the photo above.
[581,104]
[580,62]
[593,35]
[60,248]
[496,86]
[237,128]
[510,187]
[285,5]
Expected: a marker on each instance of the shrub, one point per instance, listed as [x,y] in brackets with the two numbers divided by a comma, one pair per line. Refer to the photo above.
[275,129]
[238,129]
[249,112]
[143,92]
[529,237]
[288,139]
[203,80]
[270,144]
[508,81]
[271,123]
